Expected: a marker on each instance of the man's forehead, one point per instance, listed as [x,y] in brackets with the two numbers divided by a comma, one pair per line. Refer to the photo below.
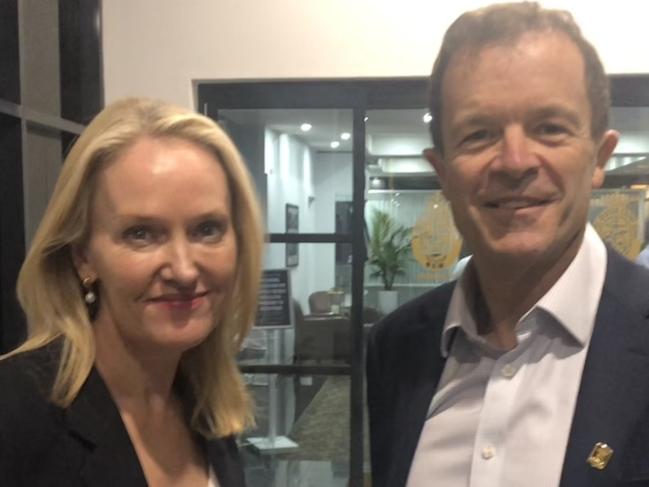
[526,43]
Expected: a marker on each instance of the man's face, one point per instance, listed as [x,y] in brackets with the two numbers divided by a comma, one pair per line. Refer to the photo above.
[519,161]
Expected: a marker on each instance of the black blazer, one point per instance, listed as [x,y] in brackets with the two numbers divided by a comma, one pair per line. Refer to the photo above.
[404,365]
[84,445]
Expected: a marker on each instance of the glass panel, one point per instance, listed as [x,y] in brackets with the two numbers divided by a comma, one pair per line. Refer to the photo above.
[302,433]
[301,161]
[41,62]
[404,203]
[619,210]
[319,331]
[41,166]
[402,185]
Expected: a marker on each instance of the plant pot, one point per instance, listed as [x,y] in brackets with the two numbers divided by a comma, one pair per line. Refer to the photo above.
[388,301]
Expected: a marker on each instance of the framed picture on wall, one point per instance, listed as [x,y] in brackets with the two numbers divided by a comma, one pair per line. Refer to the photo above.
[292,226]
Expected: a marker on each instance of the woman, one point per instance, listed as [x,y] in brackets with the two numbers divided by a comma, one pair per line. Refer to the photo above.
[139,287]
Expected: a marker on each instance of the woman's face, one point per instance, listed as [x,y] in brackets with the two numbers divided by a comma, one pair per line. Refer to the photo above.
[162,246]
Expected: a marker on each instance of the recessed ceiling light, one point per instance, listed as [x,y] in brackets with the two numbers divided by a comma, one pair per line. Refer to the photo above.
[376,183]
[427,117]
[334,144]
[345,136]
[305,127]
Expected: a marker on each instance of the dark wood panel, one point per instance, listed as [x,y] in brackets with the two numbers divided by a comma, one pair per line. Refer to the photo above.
[9,51]
[12,240]
[80,46]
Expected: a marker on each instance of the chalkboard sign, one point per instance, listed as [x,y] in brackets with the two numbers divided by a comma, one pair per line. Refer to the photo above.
[274,308]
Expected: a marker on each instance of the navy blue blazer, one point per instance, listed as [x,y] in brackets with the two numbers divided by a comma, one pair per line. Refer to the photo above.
[84,445]
[404,365]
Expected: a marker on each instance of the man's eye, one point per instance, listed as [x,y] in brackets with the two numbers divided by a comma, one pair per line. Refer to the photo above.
[551,129]
[476,137]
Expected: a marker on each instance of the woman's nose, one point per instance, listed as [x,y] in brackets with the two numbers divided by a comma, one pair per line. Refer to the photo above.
[180,264]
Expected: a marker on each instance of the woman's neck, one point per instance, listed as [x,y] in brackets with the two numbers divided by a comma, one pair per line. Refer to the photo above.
[134,374]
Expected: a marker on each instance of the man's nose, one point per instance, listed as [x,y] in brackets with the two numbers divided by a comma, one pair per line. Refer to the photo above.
[180,262]
[516,160]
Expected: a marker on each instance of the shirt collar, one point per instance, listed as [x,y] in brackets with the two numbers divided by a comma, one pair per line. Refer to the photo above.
[572,300]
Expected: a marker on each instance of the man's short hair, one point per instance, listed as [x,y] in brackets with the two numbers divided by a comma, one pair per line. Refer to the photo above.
[506,23]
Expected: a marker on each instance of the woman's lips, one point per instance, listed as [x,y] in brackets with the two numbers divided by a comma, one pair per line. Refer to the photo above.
[179,301]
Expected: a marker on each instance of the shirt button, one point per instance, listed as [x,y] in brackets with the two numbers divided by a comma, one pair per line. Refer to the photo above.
[508,371]
[488,452]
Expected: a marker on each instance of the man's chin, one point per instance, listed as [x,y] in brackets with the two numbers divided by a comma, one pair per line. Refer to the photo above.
[518,248]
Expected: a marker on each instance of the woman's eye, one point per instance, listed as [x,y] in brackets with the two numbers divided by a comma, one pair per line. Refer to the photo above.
[210,230]
[139,235]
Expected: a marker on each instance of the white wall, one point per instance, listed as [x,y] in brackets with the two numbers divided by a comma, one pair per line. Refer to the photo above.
[157,47]
[332,174]
[289,180]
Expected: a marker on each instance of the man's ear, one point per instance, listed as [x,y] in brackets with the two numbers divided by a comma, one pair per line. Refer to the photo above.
[607,145]
[436,160]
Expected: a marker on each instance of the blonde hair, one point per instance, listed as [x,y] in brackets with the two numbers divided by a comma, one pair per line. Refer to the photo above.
[49,288]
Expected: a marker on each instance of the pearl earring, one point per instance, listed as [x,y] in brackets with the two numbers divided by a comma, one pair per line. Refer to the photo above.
[89,297]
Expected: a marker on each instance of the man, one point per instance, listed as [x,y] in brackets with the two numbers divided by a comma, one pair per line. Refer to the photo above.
[533,369]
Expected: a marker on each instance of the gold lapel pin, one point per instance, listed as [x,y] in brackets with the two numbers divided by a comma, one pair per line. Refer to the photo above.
[600,456]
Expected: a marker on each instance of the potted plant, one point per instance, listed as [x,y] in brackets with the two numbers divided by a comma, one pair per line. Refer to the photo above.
[389,253]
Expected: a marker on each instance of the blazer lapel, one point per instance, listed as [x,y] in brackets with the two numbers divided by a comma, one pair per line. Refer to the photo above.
[94,420]
[223,455]
[614,389]
[419,382]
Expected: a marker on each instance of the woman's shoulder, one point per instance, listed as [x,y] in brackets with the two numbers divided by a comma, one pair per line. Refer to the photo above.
[33,370]
[25,384]
[223,456]
[30,425]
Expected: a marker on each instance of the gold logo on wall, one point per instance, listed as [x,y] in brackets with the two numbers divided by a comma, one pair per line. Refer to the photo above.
[436,242]
[617,224]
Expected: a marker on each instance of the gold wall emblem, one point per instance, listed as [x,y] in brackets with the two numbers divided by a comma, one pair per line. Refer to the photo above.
[436,242]
[617,224]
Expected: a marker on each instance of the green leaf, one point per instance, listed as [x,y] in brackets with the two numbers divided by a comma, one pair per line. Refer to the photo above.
[389,248]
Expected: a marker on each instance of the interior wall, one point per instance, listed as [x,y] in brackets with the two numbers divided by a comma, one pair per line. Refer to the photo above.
[289,181]
[157,47]
[333,182]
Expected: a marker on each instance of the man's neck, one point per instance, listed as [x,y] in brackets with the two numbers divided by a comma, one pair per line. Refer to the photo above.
[508,290]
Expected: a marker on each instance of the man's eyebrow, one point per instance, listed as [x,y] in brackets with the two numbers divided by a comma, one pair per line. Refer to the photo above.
[469,120]
[482,118]
[550,111]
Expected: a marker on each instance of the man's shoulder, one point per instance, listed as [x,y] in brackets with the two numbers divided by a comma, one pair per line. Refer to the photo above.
[422,313]
[626,282]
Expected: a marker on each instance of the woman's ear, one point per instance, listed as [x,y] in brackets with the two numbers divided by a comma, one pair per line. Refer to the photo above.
[82,263]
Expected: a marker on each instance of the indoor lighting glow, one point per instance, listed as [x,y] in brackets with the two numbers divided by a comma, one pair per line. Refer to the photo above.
[335,144]
[427,117]
[305,127]
[345,136]
[365,119]
[376,183]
